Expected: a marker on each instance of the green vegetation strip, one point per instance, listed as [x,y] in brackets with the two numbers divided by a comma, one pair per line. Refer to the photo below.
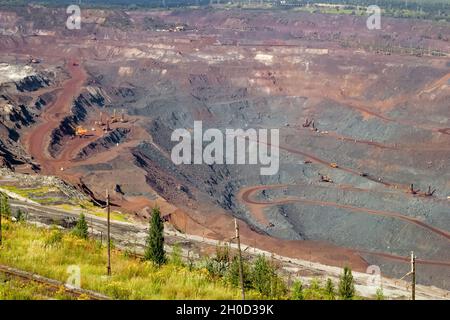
[50,253]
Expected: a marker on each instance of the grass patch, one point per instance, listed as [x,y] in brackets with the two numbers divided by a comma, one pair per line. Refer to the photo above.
[89,208]
[49,253]
[17,289]
[43,195]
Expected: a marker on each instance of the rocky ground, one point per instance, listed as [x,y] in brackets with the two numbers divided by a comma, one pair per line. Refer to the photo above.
[379,100]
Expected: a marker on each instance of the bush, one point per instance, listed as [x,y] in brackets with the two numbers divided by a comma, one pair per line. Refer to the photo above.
[20,215]
[54,238]
[220,264]
[379,295]
[330,290]
[176,256]
[315,291]
[265,279]
[5,209]
[346,285]
[297,291]
[81,229]
[232,273]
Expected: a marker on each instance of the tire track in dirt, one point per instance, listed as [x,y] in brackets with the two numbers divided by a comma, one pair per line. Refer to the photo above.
[38,139]
[246,196]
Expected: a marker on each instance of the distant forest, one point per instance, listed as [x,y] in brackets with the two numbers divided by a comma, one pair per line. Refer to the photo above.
[424,9]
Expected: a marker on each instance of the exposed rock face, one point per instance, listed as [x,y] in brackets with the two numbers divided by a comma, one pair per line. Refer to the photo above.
[32,83]
[19,110]
[110,140]
[79,111]
[365,90]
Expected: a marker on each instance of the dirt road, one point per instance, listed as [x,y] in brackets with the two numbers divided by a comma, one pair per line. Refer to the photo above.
[37,139]
[246,195]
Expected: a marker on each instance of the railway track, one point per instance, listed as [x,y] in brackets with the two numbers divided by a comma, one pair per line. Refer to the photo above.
[52,285]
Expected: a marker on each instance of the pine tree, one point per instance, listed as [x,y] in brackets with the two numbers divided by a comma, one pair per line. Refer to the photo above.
[297,291]
[261,276]
[81,229]
[346,285]
[266,280]
[329,289]
[155,241]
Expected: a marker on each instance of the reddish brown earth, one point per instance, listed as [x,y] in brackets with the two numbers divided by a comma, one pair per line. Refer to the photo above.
[385,114]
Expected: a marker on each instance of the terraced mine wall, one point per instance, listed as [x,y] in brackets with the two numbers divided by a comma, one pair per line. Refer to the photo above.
[111,139]
[79,112]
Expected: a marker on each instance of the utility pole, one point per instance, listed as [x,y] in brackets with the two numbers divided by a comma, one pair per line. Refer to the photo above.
[241,271]
[413,274]
[108,268]
[1,212]
[413,271]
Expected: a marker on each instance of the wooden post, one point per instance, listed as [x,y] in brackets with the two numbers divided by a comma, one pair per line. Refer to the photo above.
[413,271]
[108,268]
[1,212]
[241,271]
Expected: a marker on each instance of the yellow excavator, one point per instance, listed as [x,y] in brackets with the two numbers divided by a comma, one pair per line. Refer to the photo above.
[80,131]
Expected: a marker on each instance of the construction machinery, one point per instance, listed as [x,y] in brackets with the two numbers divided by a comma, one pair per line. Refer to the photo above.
[412,190]
[307,123]
[122,117]
[334,165]
[80,131]
[107,127]
[430,192]
[324,178]
[363,174]
[114,118]
[100,122]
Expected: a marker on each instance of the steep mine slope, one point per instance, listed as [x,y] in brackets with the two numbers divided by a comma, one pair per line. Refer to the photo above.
[380,107]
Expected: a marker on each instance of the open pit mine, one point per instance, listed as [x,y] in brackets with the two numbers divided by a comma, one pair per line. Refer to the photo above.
[363,118]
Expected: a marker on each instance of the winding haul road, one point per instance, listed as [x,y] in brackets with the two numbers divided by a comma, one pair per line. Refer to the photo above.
[247,196]
[38,138]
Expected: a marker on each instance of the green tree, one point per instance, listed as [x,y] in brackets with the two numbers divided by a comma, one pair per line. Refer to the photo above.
[297,291]
[346,285]
[232,273]
[155,241]
[265,279]
[379,295]
[5,209]
[315,291]
[261,276]
[81,228]
[329,289]
[20,215]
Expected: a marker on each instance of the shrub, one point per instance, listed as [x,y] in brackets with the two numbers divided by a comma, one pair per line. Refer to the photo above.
[5,209]
[379,295]
[20,215]
[330,290]
[265,279]
[55,237]
[81,228]
[176,256]
[346,285]
[297,291]
[232,273]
